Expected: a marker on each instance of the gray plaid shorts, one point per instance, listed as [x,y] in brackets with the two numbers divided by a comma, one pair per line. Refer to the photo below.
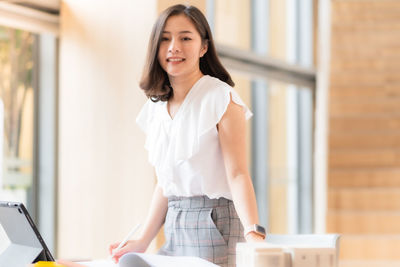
[202,227]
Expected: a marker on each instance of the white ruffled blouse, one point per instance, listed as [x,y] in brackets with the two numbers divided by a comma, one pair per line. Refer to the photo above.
[185,151]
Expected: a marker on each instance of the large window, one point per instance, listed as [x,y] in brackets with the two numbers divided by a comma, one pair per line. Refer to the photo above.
[17,94]
[268,47]
[28,112]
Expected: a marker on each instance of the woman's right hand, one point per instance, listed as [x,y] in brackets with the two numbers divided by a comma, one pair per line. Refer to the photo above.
[130,246]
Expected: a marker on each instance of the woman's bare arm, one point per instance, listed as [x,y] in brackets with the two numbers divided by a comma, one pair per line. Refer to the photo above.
[232,136]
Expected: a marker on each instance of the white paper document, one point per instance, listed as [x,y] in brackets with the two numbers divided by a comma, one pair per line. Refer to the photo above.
[99,263]
[157,261]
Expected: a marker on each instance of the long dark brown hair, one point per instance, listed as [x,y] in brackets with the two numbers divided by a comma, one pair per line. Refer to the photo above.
[155,82]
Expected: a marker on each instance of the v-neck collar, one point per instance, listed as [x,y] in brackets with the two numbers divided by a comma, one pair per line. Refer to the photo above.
[184,102]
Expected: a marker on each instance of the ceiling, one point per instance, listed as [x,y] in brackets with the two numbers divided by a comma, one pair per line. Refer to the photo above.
[48,6]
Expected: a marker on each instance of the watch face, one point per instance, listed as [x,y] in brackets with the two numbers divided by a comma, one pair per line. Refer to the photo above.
[260,229]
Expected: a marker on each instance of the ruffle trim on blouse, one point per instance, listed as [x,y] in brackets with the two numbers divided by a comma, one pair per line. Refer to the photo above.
[172,141]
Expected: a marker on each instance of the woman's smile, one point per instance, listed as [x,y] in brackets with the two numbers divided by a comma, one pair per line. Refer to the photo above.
[175,60]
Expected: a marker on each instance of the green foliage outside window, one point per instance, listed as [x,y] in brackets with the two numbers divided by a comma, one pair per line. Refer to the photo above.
[16,93]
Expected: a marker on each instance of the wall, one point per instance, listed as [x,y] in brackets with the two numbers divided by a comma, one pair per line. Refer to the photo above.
[105,181]
[364,139]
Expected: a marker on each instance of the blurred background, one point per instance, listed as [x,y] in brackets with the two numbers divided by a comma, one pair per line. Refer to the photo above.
[321,77]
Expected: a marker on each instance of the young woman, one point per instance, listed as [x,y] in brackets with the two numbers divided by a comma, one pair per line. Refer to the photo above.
[195,126]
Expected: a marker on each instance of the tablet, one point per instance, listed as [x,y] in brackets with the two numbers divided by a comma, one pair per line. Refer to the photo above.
[25,244]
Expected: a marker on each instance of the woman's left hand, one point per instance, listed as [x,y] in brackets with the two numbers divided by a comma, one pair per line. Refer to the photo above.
[253,237]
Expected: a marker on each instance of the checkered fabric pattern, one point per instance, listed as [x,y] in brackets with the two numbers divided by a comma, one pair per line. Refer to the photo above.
[202,227]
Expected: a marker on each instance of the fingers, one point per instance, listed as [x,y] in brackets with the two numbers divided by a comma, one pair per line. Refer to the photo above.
[110,249]
[120,253]
[125,249]
[117,257]
[130,246]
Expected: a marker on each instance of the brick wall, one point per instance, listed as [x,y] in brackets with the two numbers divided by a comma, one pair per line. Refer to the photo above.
[364,138]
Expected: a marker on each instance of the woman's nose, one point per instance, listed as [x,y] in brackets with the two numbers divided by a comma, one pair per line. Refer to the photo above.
[174,46]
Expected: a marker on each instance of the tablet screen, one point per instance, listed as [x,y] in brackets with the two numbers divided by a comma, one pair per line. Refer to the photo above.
[25,244]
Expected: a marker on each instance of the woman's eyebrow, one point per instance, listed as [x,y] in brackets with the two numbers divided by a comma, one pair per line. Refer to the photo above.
[179,32]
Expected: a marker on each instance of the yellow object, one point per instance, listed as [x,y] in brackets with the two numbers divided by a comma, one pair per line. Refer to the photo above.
[47,264]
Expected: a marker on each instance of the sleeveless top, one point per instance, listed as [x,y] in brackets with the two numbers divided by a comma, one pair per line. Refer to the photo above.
[185,150]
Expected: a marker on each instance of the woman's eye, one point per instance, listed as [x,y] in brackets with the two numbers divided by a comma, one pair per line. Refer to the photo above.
[186,39]
[164,39]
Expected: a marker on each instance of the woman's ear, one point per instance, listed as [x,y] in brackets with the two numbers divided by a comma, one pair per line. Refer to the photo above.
[204,48]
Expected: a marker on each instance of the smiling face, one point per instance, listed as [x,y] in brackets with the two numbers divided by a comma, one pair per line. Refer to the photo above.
[181,47]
